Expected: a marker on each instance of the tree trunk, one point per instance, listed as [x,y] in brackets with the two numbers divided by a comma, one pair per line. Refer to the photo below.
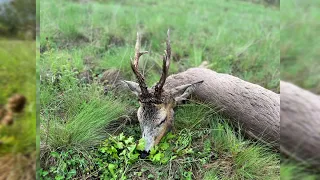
[300,123]
[254,108]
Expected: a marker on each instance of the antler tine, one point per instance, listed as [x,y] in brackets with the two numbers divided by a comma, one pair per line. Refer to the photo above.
[135,66]
[165,67]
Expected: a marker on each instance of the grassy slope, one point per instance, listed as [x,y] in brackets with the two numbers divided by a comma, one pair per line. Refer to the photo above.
[300,62]
[234,37]
[17,75]
[17,57]
[300,43]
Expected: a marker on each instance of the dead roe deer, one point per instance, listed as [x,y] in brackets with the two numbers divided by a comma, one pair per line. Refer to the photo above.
[155,113]
[254,108]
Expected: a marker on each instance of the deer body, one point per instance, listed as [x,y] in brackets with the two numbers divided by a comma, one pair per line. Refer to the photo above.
[300,124]
[255,109]
[252,107]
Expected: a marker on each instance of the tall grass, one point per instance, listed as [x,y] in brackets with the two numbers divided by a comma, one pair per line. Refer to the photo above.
[17,70]
[234,156]
[17,75]
[294,170]
[300,43]
[235,37]
[85,129]
[73,115]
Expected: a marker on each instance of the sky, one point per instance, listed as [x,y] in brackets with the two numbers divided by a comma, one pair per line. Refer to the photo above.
[2,1]
[1,7]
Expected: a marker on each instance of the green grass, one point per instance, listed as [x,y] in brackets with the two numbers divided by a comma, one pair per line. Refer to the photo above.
[300,63]
[86,128]
[300,43]
[73,115]
[17,75]
[194,152]
[17,70]
[294,170]
[234,37]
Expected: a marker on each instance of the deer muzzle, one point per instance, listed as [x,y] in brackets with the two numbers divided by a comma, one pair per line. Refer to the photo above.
[149,138]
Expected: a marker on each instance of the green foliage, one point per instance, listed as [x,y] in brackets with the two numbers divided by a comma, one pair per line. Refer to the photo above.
[290,171]
[17,76]
[171,147]
[17,57]
[240,158]
[300,43]
[120,154]
[185,154]
[74,118]
[75,114]
[85,129]
[68,164]
[117,153]
[18,16]
[238,41]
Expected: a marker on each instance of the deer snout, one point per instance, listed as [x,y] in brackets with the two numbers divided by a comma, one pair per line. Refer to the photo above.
[144,154]
[149,140]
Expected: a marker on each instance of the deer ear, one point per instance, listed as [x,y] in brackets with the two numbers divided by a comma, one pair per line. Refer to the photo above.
[182,92]
[133,86]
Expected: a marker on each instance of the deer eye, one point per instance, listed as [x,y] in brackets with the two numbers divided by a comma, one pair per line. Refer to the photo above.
[164,120]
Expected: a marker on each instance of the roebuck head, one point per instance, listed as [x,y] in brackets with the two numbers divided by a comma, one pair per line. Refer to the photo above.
[155,113]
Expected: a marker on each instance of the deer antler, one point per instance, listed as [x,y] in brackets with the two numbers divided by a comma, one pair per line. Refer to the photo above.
[135,66]
[145,95]
[165,67]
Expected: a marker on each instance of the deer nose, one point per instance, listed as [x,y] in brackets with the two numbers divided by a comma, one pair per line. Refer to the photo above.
[144,154]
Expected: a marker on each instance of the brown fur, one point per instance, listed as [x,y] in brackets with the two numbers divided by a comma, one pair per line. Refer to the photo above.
[254,108]
[157,118]
[300,123]
[15,104]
